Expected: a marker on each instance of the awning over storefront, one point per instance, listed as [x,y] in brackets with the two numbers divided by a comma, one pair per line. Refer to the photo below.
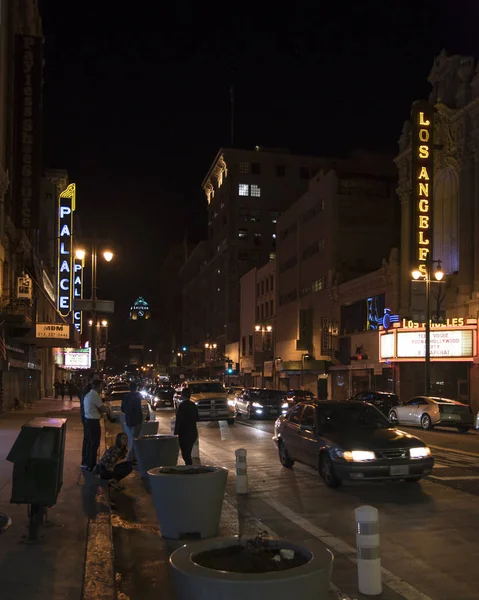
[295,367]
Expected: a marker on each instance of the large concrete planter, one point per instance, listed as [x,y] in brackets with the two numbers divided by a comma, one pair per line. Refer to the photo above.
[195,582]
[188,499]
[156,451]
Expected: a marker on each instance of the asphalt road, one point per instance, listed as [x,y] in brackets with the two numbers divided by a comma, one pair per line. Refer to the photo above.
[429,544]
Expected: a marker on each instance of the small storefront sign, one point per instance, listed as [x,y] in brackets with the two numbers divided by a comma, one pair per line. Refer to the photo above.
[24,287]
[52,331]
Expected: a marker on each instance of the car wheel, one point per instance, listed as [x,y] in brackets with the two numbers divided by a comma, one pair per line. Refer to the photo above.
[412,479]
[231,421]
[463,429]
[393,415]
[284,458]
[326,470]
[426,422]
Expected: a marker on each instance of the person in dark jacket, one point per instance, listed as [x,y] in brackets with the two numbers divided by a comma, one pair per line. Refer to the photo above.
[131,408]
[83,393]
[113,466]
[185,427]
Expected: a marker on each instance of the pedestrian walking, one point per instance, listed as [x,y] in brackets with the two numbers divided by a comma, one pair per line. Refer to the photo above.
[63,389]
[56,386]
[114,464]
[131,408]
[94,409]
[185,426]
[83,393]
[71,389]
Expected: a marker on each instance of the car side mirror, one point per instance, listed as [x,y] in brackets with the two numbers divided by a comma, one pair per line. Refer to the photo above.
[306,427]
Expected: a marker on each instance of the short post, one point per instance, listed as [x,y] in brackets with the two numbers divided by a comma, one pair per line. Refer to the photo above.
[241,471]
[195,453]
[477,421]
[368,551]
[172,425]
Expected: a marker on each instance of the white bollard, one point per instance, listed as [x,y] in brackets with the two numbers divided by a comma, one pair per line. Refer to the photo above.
[172,425]
[477,421]
[195,453]
[241,471]
[368,551]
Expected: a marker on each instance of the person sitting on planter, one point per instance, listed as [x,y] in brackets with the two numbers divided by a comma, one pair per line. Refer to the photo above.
[113,466]
[185,427]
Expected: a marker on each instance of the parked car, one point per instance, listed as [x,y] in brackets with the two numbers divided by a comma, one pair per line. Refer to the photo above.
[258,403]
[211,399]
[349,441]
[429,411]
[384,401]
[113,405]
[162,395]
[295,396]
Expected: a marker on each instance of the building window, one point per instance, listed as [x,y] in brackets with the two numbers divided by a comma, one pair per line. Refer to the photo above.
[255,190]
[243,234]
[243,189]
[250,340]
[280,170]
[254,214]
[304,172]
[272,256]
[255,168]
[262,311]
[266,285]
[244,167]
[266,310]
[271,307]
[273,215]
[243,346]
[257,313]
[257,239]
[318,285]
[288,264]
[271,282]
[258,290]
[243,214]
[262,288]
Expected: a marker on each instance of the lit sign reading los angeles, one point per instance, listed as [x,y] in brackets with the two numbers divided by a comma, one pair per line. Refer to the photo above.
[422,184]
[77,291]
[66,207]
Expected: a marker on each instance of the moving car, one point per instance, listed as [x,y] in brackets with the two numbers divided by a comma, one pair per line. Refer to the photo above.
[349,441]
[162,395]
[384,401]
[211,399]
[261,403]
[429,411]
[113,405]
[295,396]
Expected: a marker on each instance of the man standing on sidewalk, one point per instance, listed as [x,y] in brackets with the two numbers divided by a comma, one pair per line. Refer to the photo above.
[131,408]
[83,393]
[185,427]
[94,409]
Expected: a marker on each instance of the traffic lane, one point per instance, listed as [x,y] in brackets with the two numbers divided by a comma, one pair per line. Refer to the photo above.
[420,523]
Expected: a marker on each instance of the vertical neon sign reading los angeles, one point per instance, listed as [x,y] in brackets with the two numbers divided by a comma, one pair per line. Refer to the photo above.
[66,207]
[422,182]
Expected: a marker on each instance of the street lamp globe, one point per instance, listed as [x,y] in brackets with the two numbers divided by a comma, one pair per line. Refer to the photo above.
[416,274]
[257,328]
[439,274]
[80,254]
[269,328]
[207,345]
[104,323]
[215,346]
[108,255]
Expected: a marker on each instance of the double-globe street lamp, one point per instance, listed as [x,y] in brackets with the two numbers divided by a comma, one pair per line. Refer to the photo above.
[80,254]
[264,329]
[425,275]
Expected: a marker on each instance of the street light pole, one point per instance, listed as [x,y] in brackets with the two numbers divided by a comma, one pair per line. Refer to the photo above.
[427,354]
[93,307]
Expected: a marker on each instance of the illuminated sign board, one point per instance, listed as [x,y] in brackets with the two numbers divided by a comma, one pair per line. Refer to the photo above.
[77,292]
[51,330]
[422,182]
[66,207]
[77,358]
[455,340]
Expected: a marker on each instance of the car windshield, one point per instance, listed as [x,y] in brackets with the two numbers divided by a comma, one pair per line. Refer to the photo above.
[207,388]
[333,418]
[267,394]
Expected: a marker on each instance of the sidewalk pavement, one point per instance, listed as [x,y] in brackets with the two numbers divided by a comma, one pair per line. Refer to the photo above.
[52,568]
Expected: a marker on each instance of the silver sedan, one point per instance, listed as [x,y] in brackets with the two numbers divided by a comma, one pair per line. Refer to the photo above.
[428,411]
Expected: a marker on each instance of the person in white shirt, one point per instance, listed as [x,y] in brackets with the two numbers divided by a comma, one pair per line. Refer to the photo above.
[94,409]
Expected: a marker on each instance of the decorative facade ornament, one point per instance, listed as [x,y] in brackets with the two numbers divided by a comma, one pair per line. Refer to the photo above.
[405,137]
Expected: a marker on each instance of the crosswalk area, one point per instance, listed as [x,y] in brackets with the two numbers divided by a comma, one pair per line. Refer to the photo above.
[454,465]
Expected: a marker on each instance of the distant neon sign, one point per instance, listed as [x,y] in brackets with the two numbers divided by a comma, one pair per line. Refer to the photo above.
[66,207]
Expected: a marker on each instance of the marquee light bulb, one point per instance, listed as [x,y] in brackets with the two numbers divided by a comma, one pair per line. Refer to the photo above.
[80,254]
[108,255]
[416,274]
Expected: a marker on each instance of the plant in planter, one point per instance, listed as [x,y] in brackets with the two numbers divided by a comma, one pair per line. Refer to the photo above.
[261,568]
[188,499]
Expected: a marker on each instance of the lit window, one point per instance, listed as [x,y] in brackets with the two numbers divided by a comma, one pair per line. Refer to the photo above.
[274,236]
[318,285]
[219,289]
[218,271]
[243,189]
[255,190]
[272,256]
[274,214]
[255,168]
[244,167]
[242,233]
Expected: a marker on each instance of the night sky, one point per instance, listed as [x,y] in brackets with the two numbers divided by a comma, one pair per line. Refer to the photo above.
[137,100]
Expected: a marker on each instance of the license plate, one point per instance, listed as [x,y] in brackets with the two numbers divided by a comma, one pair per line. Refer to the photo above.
[214,413]
[399,470]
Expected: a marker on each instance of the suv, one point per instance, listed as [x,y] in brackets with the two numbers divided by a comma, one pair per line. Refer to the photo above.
[383,401]
[211,399]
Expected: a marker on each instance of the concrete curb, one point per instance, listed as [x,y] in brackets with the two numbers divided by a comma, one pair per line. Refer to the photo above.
[99,571]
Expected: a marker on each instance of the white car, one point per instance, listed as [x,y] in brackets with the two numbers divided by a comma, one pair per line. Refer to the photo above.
[113,406]
[212,400]
[428,411]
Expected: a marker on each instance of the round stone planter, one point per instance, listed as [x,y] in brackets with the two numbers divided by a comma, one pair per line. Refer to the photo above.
[149,428]
[188,499]
[156,451]
[309,581]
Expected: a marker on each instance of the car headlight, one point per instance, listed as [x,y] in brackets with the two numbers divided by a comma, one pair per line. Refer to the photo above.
[257,405]
[356,455]
[231,402]
[419,452]
[285,405]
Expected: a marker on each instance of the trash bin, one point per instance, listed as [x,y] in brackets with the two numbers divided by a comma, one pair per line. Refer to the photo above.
[160,450]
[37,456]
[149,428]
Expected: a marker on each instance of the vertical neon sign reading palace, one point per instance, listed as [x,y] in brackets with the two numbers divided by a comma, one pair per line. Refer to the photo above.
[422,182]
[66,208]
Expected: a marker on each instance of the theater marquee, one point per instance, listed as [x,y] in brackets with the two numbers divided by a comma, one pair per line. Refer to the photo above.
[407,343]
